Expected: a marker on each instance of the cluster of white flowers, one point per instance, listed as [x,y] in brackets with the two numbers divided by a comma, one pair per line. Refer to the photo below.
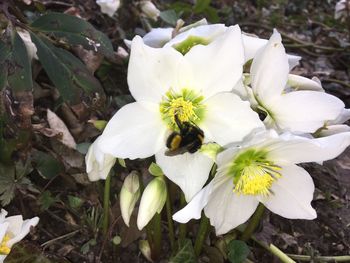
[237,91]
[12,230]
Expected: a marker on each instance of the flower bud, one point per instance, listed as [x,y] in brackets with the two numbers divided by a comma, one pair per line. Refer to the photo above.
[145,250]
[108,7]
[98,163]
[129,195]
[152,201]
[149,10]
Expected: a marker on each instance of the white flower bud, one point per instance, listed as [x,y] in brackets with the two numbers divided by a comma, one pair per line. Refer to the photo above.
[149,10]
[152,201]
[145,250]
[129,195]
[98,163]
[31,48]
[108,7]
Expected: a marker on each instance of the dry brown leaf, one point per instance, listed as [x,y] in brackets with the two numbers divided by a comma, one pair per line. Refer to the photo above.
[58,125]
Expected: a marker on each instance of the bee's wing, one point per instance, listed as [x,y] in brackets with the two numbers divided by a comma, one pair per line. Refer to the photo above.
[177,151]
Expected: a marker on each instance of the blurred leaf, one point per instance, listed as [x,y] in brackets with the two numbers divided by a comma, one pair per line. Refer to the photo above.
[155,170]
[67,72]
[181,7]
[212,14]
[11,178]
[25,252]
[46,200]
[75,202]
[185,253]
[201,5]
[75,31]
[19,68]
[169,16]
[122,162]
[238,251]
[47,166]
[5,52]
[83,147]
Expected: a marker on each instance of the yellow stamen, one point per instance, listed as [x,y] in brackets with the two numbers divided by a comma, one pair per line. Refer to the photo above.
[4,249]
[183,109]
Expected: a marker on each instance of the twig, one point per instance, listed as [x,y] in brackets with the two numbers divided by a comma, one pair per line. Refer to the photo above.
[321,258]
[60,237]
[338,82]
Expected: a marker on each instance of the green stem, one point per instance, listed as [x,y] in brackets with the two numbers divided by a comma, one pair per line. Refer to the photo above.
[170,219]
[202,234]
[321,258]
[183,227]
[157,236]
[106,195]
[253,223]
[276,251]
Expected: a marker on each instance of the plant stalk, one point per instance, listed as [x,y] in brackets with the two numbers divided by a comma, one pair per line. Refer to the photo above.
[203,231]
[106,196]
[170,220]
[253,223]
[182,227]
[157,236]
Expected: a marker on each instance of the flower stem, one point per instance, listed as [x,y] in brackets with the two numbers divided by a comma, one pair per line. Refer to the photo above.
[276,251]
[170,220]
[183,227]
[253,223]
[106,195]
[157,236]
[321,258]
[202,234]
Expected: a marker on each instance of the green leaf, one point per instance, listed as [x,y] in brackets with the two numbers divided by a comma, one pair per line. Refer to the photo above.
[212,14]
[155,170]
[122,162]
[201,5]
[185,253]
[169,16]
[75,202]
[238,251]
[7,184]
[75,31]
[5,52]
[46,200]
[47,166]
[67,72]
[26,252]
[83,147]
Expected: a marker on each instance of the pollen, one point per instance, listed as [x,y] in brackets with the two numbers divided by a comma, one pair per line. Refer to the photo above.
[4,249]
[253,174]
[186,106]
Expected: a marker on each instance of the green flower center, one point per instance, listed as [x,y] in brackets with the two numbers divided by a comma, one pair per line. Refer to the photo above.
[253,173]
[4,248]
[185,46]
[186,105]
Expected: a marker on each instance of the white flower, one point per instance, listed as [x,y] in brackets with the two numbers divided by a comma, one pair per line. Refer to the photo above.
[149,10]
[196,88]
[108,7]
[98,164]
[12,230]
[302,111]
[152,201]
[129,195]
[263,170]
[335,126]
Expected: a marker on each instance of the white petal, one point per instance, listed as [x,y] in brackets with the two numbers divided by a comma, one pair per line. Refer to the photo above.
[227,210]
[3,214]
[228,119]
[16,223]
[252,44]
[152,71]
[188,171]
[292,194]
[135,131]
[157,37]
[27,224]
[302,83]
[298,149]
[305,111]
[269,70]
[226,53]
[108,7]
[194,208]
[3,229]
[343,117]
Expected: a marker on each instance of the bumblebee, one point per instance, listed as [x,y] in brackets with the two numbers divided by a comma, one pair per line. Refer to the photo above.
[189,139]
